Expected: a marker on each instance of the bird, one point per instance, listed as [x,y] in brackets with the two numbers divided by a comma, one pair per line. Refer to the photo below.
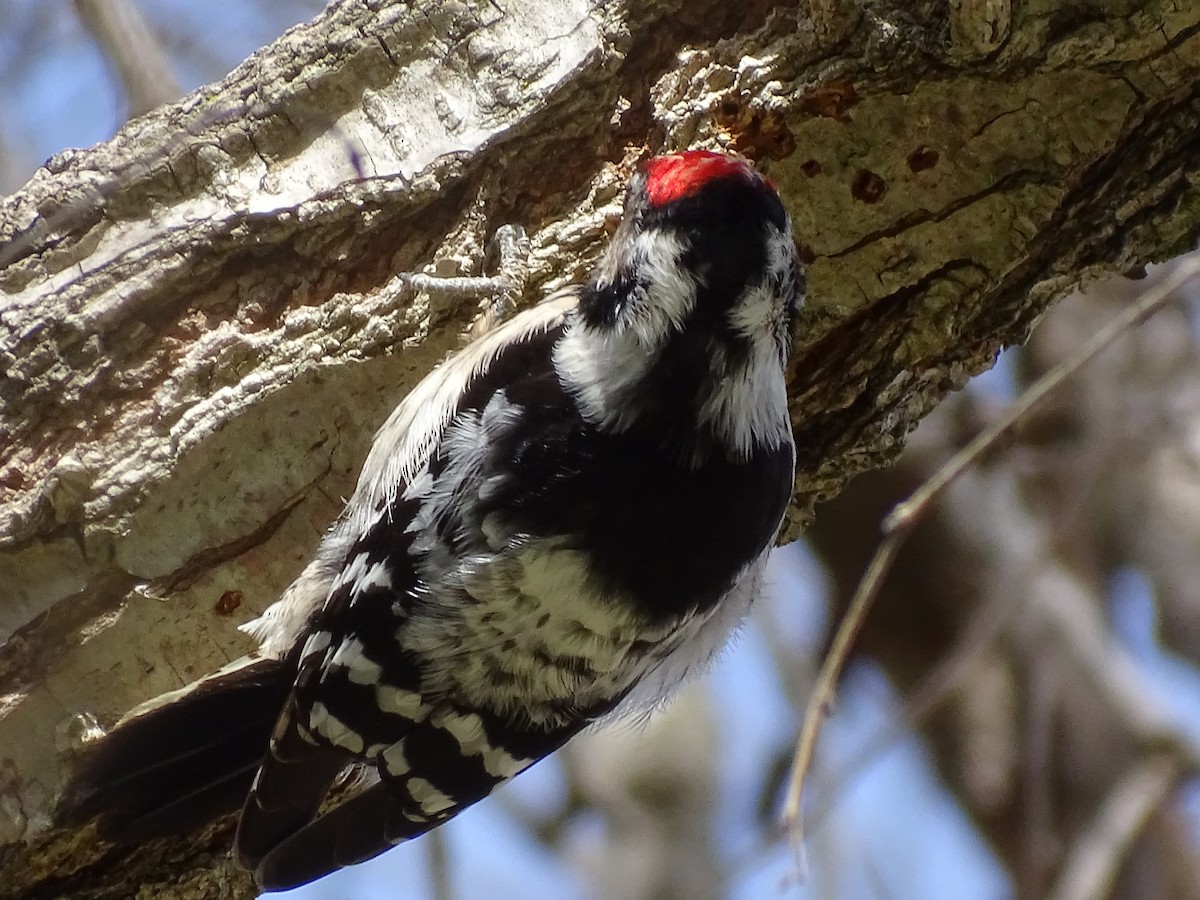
[558,526]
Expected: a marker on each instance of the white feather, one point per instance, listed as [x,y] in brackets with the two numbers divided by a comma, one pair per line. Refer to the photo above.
[405,441]
[605,366]
[401,449]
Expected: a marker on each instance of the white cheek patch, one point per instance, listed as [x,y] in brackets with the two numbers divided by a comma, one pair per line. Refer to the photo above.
[747,407]
[666,295]
[747,410]
[605,367]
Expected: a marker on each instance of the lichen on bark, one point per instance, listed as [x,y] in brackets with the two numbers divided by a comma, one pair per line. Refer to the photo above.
[198,336]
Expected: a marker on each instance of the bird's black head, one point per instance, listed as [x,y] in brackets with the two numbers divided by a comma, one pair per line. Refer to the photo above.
[702,232]
[687,318]
[705,190]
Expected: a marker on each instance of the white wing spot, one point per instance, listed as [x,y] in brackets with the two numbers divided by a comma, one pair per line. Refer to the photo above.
[500,764]
[359,668]
[333,729]
[403,703]
[377,576]
[406,440]
[467,730]
[318,642]
[394,759]
[353,571]
[431,800]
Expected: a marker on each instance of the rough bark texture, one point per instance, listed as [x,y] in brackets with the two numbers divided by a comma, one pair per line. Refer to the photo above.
[200,326]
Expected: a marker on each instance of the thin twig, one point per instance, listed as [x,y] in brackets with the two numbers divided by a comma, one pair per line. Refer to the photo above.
[439,865]
[133,50]
[903,518]
[915,506]
[1037,851]
[821,701]
[933,688]
[1096,857]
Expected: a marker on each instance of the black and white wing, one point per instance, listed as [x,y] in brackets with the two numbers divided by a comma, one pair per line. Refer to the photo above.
[396,672]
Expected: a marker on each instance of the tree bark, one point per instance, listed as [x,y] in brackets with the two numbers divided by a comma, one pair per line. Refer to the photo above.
[201,325]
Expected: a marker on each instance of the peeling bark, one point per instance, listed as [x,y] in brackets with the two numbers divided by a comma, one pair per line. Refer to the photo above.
[201,325]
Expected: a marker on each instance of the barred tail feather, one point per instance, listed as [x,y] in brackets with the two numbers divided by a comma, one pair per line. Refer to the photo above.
[181,760]
[294,779]
[447,767]
[357,830]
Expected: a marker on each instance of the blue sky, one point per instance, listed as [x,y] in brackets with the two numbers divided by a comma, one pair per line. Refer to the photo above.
[893,818]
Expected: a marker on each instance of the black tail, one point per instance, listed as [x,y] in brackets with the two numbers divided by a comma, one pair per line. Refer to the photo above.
[294,779]
[187,759]
[359,829]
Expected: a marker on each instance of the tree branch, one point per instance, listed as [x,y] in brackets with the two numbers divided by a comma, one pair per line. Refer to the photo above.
[133,51]
[198,338]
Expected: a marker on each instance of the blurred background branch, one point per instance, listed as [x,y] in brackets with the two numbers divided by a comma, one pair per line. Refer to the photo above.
[1022,709]
[133,50]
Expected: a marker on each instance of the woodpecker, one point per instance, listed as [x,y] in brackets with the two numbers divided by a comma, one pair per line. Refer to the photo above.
[557,526]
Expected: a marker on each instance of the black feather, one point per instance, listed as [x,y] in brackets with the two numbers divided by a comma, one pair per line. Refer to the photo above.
[355,831]
[293,781]
[181,765]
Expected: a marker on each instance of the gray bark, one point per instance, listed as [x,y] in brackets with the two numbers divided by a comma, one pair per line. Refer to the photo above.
[201,326]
